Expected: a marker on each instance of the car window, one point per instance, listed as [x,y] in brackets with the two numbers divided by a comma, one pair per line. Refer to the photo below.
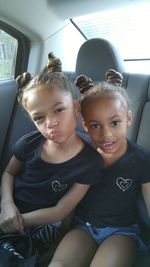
[14,52]
[8,52]
[126,28]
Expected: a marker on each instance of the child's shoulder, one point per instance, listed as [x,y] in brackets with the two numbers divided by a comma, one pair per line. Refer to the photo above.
[138,150]
[27,144]
[91,152]
[31,137]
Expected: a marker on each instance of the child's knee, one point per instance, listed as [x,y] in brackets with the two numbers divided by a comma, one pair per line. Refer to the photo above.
[57,263]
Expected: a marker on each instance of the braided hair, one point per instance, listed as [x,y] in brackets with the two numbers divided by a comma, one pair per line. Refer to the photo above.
[111,88]
[50,77]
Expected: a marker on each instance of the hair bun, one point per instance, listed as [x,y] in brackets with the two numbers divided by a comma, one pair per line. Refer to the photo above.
[54,64]
[23,79]
[113,76]
[84,83]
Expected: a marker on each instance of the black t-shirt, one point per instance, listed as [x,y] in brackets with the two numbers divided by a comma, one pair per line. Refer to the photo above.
[41,184]
[113,201]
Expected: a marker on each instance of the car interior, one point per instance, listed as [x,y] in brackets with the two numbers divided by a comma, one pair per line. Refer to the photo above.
[93,58]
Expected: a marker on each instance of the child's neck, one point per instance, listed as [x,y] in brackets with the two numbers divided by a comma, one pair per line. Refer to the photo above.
[58,153]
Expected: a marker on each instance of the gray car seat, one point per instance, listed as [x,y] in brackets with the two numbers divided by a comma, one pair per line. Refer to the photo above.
[97,55]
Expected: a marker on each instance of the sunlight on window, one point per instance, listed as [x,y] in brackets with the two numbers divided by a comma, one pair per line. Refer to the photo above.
[126,28]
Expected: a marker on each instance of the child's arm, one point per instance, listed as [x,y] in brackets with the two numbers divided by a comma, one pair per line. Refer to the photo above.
[146,194]
[10,217]
[53,214]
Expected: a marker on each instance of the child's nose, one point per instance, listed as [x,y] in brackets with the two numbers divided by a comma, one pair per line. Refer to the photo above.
[50,123]
[106,132]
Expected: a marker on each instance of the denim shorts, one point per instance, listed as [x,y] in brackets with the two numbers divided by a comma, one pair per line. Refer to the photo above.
[100,234]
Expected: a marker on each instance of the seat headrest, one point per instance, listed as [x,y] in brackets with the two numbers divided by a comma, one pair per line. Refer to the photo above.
[97,55]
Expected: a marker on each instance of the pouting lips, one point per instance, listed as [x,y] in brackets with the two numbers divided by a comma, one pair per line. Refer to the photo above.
[54,134]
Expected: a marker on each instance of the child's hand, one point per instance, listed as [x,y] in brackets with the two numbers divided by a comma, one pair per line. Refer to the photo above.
[10,218]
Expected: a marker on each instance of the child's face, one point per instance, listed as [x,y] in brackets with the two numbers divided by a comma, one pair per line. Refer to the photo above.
[53,112]
[106,120]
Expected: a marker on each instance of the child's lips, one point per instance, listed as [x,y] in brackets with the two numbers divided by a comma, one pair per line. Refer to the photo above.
[108,145]
[55,134]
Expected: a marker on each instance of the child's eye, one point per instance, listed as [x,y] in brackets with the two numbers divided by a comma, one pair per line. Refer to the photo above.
[38,119]
[95,126]
[59,110]
[116,122]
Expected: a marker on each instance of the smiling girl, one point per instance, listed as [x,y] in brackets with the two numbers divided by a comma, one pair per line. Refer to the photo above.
[106,219]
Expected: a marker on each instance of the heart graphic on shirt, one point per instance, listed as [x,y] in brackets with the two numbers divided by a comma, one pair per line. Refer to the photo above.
[124,184]
[58,187]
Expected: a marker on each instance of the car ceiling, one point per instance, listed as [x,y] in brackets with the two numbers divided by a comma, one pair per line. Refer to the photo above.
[39,19]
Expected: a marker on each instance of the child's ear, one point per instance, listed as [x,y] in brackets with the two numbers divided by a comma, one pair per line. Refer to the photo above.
[84,125]
[77,108]
[129,118]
